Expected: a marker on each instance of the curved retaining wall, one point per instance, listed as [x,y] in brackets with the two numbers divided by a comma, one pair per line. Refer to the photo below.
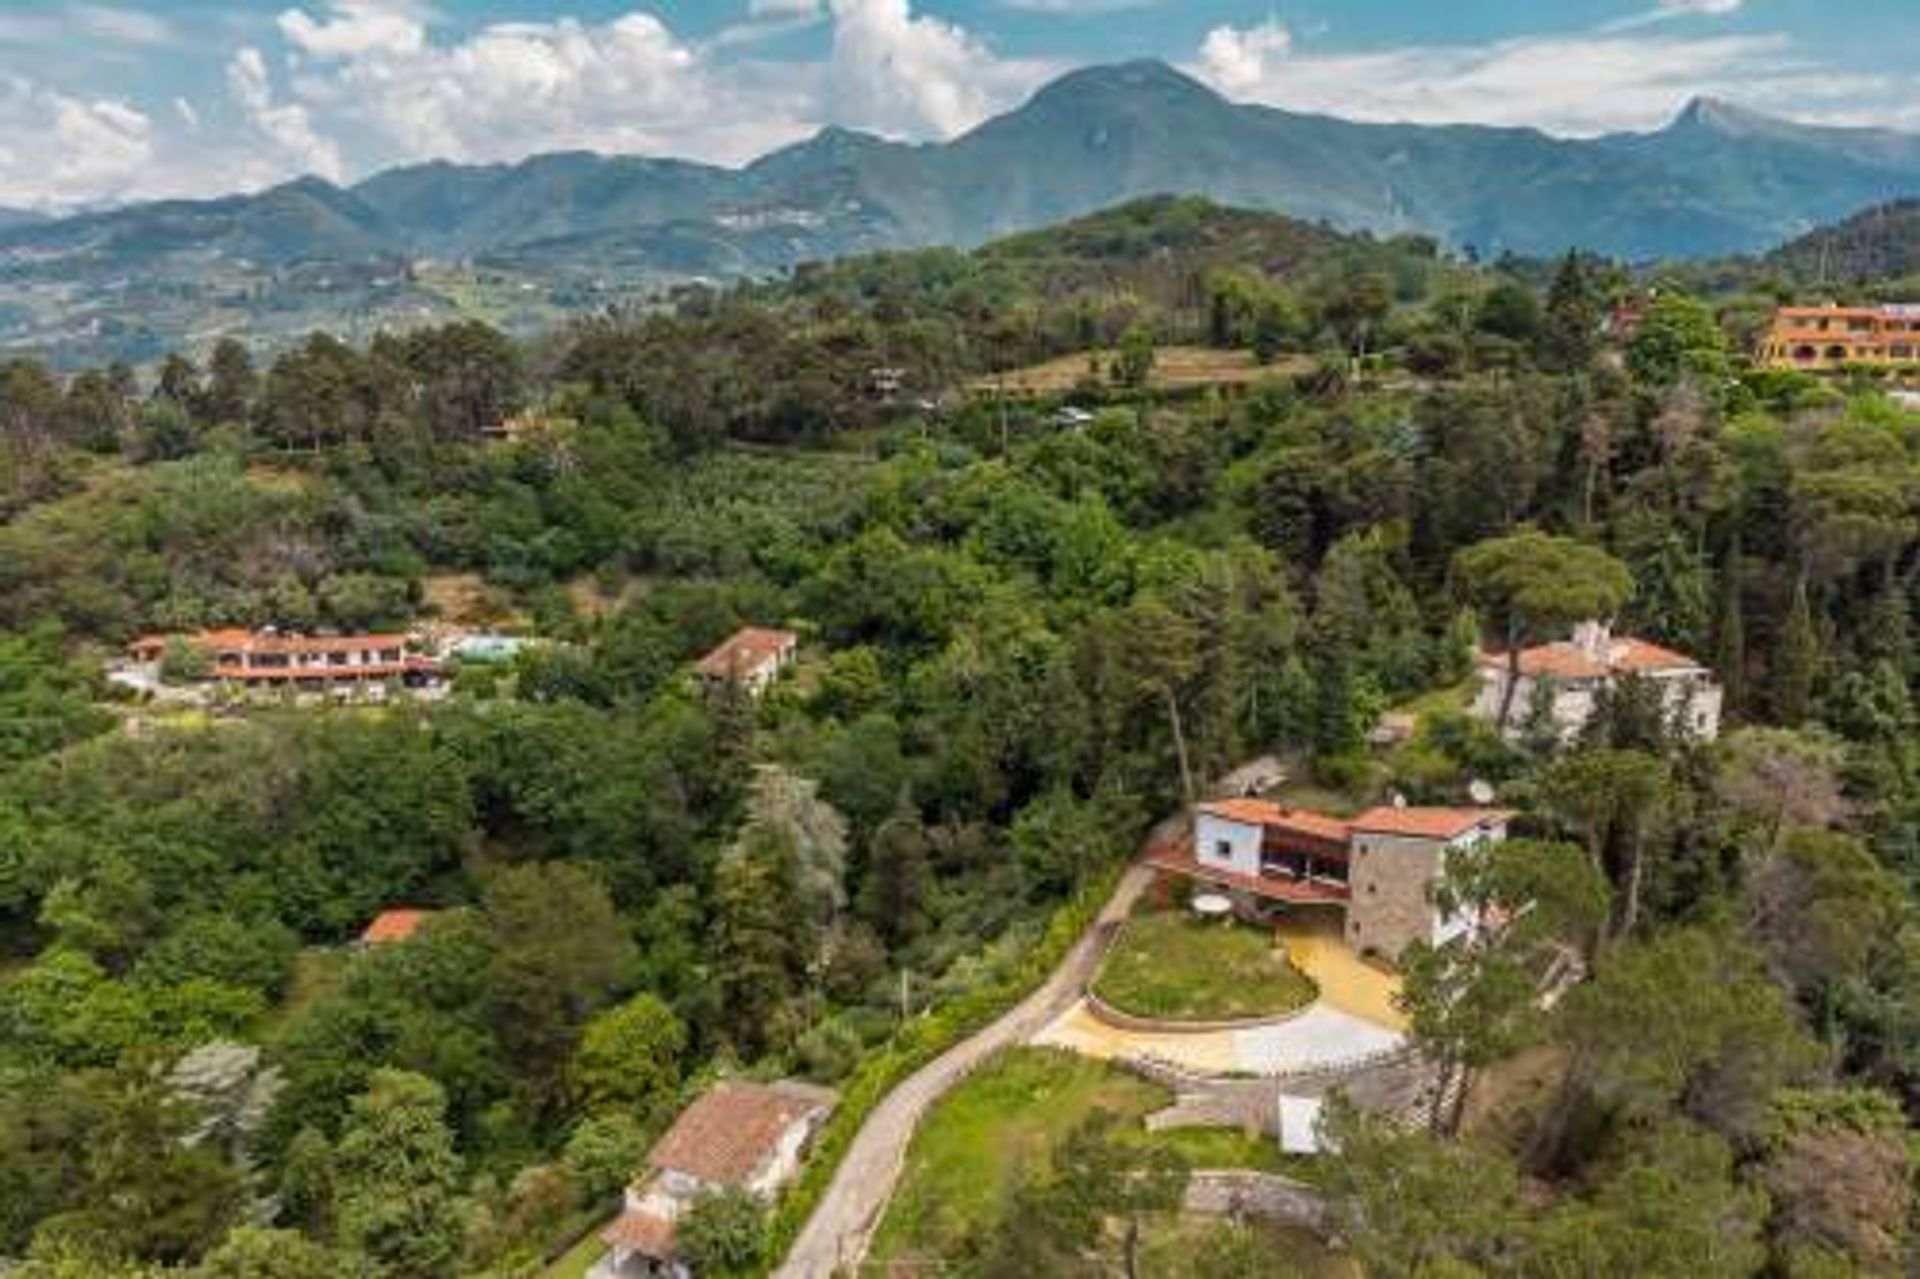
[1121,1020]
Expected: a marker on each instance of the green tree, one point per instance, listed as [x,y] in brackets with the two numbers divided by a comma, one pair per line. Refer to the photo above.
[399,1179]
[1099,1176]
[629,1056]
[723,1233]
[560,952]
[1686,1020]
[251,1252]
[1477,999]
[1570,338]
[1678,337]
[1796,661]
[1133,362]
[1616,802]
[1670,1209]
[1414,1207]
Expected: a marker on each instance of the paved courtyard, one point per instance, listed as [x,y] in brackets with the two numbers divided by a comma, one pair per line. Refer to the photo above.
[1320,1037]
[1354,1019]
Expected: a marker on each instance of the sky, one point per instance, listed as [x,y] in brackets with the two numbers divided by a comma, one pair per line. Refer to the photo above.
[108,102]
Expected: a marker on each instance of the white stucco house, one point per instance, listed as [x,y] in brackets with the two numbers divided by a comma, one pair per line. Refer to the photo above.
[738,1135]
[1572,673]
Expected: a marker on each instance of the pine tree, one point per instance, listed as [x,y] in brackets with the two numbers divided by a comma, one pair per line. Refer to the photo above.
[1730,657]
[1795,658]
[1570,336]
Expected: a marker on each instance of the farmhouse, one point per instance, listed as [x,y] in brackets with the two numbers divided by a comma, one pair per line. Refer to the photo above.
[269,659]
[737,1136]
[752,658]
[1375,870]
[1570,675]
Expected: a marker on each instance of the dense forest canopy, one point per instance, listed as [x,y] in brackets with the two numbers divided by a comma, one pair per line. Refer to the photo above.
[1020,634]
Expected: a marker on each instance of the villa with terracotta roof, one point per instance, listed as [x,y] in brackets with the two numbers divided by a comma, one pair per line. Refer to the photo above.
[738,1135]
[275,659]
[1571,674]
[1375,870]
[751,658]
[1826,338]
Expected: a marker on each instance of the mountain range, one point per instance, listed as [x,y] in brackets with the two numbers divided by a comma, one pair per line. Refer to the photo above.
[526,243]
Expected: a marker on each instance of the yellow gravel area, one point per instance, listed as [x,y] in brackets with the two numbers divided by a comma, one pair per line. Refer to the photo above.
[1346,981]
[1082,1032]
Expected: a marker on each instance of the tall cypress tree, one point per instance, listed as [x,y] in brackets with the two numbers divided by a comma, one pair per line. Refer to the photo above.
[1795,657]
[1730,631]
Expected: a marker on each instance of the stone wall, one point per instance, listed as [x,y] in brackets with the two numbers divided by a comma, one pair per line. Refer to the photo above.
[1390,877]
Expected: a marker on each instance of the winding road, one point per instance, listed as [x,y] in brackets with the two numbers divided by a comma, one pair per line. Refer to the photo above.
[835,1239]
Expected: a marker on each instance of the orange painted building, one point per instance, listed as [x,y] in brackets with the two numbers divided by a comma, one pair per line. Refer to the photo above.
[1817,338]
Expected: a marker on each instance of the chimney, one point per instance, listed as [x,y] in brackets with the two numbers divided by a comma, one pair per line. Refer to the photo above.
[1594,638]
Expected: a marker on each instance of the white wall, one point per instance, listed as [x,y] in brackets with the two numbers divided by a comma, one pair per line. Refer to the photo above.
[1225,844]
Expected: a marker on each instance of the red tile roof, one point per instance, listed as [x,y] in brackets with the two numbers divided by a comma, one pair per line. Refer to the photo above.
[1260,812]
[1564,659]
[234,639]
[747,651]
[1248,812]
[1427,823]
[394,925]
[733,1129]
[1638,655]
[646,1233]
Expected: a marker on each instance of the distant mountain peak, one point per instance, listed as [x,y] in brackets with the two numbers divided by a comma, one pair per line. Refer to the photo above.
[1718,115]
[1141,77]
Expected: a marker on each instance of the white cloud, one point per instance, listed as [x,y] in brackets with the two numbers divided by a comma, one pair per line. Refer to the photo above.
[1072,8]
[57,149]
[1577,85]
[1711,8]
[1239,60]
[898,73]
[123,26]
[784,9]
[294,144]
[356,28]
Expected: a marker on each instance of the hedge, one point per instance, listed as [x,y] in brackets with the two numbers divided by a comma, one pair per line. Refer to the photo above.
[918,1043]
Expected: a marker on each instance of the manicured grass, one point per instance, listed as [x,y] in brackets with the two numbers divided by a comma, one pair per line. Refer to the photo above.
[1172,965]
[999,1127]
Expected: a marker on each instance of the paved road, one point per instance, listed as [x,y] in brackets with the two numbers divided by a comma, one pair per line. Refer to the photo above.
[836,1237]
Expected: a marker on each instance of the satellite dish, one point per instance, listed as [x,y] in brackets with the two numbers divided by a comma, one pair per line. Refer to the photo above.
[1399,800]
[1481,792]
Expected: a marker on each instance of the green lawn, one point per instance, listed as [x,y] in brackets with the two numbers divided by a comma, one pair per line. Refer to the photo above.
[1454,697]
[977,1145]
[1170,964]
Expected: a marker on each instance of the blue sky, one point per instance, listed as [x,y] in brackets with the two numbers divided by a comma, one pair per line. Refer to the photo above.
[109,100]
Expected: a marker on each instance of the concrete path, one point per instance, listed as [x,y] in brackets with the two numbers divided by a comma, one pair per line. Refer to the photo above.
[1319,1038]
[838,1234]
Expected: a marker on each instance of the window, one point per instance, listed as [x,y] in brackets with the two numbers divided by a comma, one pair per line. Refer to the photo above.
[1223,850]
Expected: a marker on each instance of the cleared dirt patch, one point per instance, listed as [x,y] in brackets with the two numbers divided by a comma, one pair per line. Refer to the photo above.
[1175,368]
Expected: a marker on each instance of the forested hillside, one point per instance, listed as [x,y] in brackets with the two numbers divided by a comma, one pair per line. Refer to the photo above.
[1019,628]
